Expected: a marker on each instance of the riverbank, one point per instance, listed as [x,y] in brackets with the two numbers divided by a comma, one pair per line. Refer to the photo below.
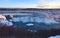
[23,33]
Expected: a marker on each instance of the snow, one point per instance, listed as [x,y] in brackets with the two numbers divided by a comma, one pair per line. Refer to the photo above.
[15,19]
[32,30]
[1,16]
[5,22]
[30,24]
[48,21]
[9,24]
[36,19]
[25,19]
[57,36]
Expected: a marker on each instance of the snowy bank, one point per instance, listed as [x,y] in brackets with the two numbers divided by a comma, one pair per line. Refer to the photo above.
[5,22]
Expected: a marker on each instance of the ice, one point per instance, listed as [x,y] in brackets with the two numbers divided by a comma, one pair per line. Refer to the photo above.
[15,19]
[6,23]
[32,19]
[2,17]
[57,36]
[9,24]
[37,19]
[30,24]
[32,30]
[25,19]
[48,21]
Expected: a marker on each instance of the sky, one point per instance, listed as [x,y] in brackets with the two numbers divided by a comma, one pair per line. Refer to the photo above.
[29,3]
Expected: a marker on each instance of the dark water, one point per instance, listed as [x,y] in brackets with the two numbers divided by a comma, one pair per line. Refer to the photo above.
[36,26]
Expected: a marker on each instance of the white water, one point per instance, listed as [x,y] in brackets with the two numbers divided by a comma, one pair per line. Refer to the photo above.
[16,19]
[27,19]
[50,21]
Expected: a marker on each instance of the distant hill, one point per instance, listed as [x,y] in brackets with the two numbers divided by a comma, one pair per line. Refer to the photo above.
[27,9]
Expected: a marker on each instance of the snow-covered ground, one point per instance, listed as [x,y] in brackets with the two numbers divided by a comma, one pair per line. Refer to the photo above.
[5,22]
[57,36]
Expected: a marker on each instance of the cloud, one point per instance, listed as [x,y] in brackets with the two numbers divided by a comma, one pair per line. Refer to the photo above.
[50,4]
